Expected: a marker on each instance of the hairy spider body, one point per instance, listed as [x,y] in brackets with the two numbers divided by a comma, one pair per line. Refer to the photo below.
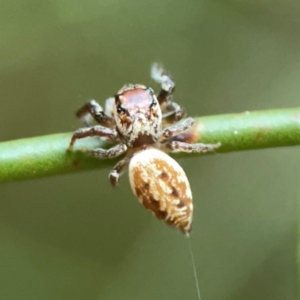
[161,186]
[145,127]
[138,115]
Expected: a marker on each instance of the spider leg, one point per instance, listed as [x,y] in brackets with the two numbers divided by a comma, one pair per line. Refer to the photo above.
[94,110]
[116,172]
[174,111]
[97,130]
[108,153]
[109,107]
[177,146]
[176,129]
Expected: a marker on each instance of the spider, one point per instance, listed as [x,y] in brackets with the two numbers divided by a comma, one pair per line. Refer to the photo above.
[146,128]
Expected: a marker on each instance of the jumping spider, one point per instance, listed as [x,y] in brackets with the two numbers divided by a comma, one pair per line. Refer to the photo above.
[145,125]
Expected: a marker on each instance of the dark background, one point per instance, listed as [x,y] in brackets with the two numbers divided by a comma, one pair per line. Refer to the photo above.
[74,237]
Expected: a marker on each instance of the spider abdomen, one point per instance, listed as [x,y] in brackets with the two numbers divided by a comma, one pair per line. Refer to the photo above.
[161,185]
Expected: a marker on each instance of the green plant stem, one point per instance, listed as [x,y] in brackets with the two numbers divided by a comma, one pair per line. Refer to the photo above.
[47,155]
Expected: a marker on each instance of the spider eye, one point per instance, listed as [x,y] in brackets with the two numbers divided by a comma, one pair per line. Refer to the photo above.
[120,109]
[153,104]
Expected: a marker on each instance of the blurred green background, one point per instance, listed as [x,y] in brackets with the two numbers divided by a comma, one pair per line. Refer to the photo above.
[74,237]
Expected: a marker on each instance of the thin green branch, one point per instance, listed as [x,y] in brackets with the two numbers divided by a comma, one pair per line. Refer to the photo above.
[46,156]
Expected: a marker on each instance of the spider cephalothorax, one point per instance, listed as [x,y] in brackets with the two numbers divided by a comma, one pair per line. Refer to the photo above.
[145,126]
[137,115]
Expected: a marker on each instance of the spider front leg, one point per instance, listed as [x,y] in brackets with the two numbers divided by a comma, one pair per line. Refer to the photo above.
[97,130]
[176,129]
[177,146]
[116,172]
[174,112]
[94,110]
